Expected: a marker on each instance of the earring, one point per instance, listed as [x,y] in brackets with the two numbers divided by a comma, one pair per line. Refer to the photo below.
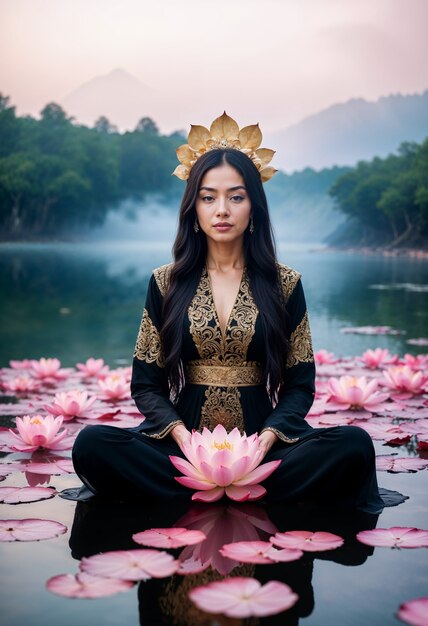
[196,226]
[251,225]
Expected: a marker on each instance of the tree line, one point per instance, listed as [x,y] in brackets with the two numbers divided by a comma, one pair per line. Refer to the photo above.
[386,200]
[59,177]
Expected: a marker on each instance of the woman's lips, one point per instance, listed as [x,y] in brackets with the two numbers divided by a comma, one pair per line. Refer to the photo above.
[222,228]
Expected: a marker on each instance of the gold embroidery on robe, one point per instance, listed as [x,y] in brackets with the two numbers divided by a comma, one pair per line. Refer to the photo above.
[214,347]
[176,606]
[148,347]
[222,406]
[280,435]
[300,344]
[163,433]
[162,275]
[289,278]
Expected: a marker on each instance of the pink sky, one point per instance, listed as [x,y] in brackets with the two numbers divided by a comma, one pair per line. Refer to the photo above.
[272,61]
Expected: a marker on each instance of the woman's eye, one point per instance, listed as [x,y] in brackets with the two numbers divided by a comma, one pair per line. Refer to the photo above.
[206,198]
[238,198]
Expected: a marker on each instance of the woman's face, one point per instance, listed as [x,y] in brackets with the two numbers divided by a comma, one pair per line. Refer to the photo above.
[223,199]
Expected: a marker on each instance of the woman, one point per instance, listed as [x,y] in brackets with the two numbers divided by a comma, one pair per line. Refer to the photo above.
[225,338]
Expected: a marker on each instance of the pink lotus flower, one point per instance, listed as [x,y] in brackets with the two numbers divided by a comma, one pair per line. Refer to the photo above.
[258,552]
[16,365]
[375,358]
[307,540]
[223,463]
[395,537]
[415,362]
[404,380]
[30,529]
[414,612]
[84,585]
[243,597]
[126,372]
[20,384]
[39,432]
[130,564]
[114,387]
[93,368]
[168,537]
[351,392]
[322,357]
[48,370]
[70,404]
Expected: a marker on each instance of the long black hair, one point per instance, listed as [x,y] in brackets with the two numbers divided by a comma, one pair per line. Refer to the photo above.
[189,253]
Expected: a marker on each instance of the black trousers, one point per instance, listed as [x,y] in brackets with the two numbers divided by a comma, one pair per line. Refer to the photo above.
[330,466]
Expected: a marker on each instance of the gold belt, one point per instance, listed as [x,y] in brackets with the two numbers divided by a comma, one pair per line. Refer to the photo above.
[224,375]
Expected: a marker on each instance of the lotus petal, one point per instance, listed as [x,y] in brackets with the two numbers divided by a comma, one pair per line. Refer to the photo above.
[194,484]
[30,529]
[243,597]
[169,537]
[393,464]
[414,612]
[17,495]
[395,537]
[84,585]
[259,474]
[212,495]
[130,564]
[307,540]
[258,552]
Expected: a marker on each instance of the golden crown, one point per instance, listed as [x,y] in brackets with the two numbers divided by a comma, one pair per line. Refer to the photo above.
[224,133]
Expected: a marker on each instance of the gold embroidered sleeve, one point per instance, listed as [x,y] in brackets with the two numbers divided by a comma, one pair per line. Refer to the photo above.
[149,381]
[162,275]
[301,350]
[297,392]
[288,279]
[148,347]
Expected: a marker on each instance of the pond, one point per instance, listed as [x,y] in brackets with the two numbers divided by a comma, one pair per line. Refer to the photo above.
[76,301]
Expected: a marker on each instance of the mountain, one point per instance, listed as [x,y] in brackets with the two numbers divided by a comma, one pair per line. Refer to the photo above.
[118,95]
[346,133]
[341,134]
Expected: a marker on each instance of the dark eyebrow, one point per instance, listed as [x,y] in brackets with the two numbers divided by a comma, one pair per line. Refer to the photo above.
[231,188]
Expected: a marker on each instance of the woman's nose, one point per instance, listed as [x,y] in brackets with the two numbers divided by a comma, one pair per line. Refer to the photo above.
[222,206]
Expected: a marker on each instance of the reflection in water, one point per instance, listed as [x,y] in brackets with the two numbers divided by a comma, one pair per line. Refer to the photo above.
[101,526]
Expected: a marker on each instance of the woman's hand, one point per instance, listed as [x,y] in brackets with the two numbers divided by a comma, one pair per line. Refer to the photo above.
[180,434]
[267,439]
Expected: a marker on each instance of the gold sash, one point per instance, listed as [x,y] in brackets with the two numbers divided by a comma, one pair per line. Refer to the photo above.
[225,375]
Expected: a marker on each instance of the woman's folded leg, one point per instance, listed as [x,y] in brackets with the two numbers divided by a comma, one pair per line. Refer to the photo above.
[335,466]
[117,462]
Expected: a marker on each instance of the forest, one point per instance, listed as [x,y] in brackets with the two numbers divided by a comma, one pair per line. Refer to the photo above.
[59,178]
[386,200]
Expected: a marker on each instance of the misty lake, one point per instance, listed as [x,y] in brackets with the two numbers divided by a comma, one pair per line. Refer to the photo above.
[79,300]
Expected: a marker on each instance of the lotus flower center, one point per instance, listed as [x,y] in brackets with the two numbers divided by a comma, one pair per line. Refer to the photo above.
[223,445]
[35,420]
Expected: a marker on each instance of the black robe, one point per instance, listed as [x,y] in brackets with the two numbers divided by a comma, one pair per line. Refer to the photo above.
[333,466]
[242,343]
